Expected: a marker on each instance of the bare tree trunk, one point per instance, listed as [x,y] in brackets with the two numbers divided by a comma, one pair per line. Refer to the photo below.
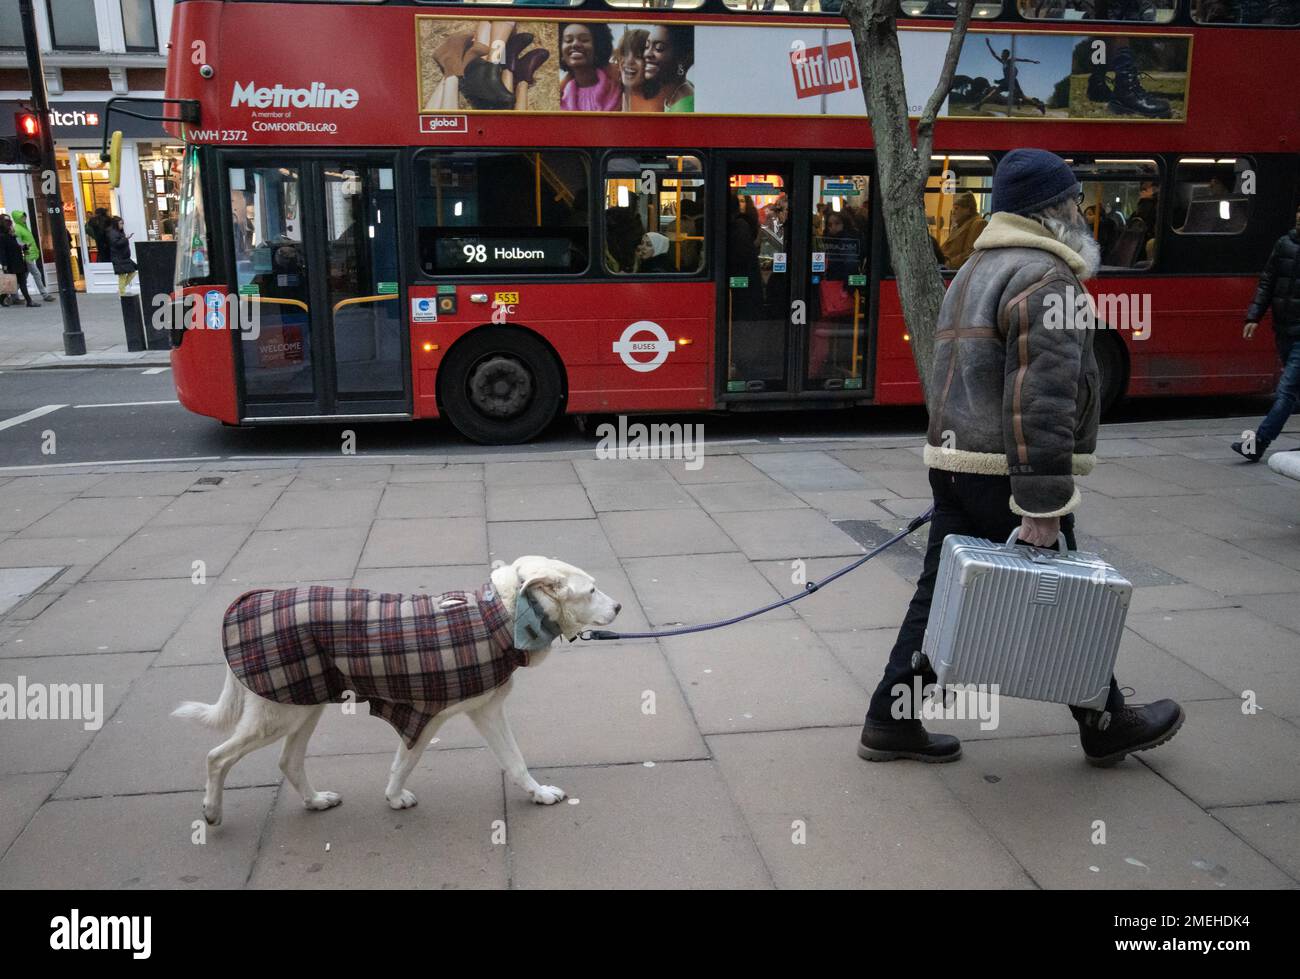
[901,168]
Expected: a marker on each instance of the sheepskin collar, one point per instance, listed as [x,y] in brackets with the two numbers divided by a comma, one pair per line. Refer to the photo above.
[1006,230]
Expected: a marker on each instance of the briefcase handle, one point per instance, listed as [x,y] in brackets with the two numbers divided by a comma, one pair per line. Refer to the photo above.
[1060,542]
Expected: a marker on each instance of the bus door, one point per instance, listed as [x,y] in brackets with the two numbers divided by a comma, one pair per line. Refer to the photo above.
[795,302]
[314,243]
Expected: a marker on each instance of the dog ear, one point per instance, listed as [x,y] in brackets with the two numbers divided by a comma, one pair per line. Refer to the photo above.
[550,581]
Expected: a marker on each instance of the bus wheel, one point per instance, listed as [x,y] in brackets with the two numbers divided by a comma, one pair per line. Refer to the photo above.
[1110,367]
[500,387]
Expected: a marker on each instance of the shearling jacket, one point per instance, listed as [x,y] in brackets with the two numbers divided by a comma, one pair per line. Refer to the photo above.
[410,656]
[1014,387]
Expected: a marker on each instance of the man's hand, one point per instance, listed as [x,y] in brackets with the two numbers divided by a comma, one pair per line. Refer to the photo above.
[1249,329]
[1040,531]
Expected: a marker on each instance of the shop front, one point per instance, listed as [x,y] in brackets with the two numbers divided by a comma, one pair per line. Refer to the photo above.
[147,198]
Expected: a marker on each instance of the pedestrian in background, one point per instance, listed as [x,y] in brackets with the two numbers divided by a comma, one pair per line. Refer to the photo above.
[1279,291]
[32,252]
[1014,410]
[119,252]
[12,257]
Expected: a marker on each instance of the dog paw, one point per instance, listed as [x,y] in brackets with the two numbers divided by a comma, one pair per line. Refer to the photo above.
[324,800]
[547,795]
[212,815]
[404,801]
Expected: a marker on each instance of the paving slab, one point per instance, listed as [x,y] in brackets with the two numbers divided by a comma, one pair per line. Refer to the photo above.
[219,506]
[649,495]
[1192,473]
[1213,564]
[1157,598]
[19,552]
[864,826]
[1223,757]
[351,475]
[872,596]
[1213,515]
[91,517]
[20,797]
[1273,830]
[1281,610]
[719,469]
[760,495]
[143,749]
[53,484]
[299,555]
[1283,548]
[160,483]
[1240,649]
[685,590]
[149,843]
[596,471]
[1268,497]
[433,499]
[107,617]
[318,509]
[558,501]
[670,826]
[578,542]
[1155,674]
[1120,480]
[31,745]
[529,473]
[1044,804]
[653,533]
[19,584]
[441,473]
[426,580]
[872,461]
[432,540]
[444,842]
[763,676]
[171,552]
[848,504]
[1104,516]
[20,511]
[766,535]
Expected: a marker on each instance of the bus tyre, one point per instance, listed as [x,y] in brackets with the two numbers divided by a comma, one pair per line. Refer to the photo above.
[500,387]
[1110,368]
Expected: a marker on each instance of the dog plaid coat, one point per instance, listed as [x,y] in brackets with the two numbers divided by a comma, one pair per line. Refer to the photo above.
[411,656]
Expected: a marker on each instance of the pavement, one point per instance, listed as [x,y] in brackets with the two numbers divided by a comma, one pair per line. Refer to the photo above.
[34,337]
[723,760]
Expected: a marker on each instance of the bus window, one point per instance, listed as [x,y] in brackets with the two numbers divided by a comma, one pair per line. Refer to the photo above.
[656,4]
[1121,201]
[488,213]
[837,279]
[1246,12]
[958,197]
[654,215]
[192,258]
[1212,197]
[765,6]
[946,8]
[1148,11]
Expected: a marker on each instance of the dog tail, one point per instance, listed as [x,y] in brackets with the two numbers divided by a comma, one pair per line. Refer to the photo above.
[224,714]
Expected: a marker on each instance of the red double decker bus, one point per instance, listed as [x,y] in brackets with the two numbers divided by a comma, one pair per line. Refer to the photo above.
[402,209]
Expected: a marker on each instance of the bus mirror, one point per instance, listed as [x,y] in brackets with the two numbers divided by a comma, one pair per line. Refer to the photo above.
[114,158]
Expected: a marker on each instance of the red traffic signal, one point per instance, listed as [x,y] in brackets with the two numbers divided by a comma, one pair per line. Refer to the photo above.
[28,127]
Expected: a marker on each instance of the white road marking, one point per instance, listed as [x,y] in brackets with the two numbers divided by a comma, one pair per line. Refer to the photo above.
[128,404]
[111,462]
[155,370]
[29,415]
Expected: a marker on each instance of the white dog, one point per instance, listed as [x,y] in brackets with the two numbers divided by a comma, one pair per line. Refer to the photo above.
[523,608]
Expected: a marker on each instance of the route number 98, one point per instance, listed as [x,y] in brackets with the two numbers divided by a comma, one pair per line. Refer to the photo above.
[474,253]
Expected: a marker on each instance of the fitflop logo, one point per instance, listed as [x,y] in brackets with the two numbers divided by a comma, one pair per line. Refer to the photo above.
[628,345]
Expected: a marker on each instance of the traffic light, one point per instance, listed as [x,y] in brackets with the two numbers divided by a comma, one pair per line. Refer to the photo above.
[28,127]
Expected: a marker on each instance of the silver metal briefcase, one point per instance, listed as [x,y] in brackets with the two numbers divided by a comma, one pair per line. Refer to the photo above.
[1040,624]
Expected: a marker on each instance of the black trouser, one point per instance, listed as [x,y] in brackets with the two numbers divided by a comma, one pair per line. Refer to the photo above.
[976,506]
[22,283]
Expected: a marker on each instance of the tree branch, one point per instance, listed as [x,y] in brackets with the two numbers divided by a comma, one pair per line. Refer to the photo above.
[925,125]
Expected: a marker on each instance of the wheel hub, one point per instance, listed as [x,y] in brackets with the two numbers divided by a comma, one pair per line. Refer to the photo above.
[500,386]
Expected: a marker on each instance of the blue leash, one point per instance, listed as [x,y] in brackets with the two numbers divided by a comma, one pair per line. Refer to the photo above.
[809,588]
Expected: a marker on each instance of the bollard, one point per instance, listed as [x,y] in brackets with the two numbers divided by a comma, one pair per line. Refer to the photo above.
[133,323]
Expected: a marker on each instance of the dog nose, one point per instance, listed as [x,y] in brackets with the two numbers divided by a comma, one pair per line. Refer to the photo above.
[618,607]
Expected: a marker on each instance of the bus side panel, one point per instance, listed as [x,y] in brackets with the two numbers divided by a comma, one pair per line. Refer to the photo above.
[896,379]
[203,368]
[1194,342]
[592,327]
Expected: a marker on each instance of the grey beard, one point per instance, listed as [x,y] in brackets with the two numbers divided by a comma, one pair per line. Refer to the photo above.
[1079,241]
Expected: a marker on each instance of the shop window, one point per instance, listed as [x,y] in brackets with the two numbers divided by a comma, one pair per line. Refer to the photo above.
[73,26]
[654,215]
[138,26]
[1141,11]
[160,171]
[1121,203]
[958,199]
[1212,196]
[948,8]
[192,254]
[493,213]
[1264,12]
[96,194]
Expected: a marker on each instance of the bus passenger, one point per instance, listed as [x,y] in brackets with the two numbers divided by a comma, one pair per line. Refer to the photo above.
[652,254]
[623,232]
[669,54]
[592,83]
[966,227]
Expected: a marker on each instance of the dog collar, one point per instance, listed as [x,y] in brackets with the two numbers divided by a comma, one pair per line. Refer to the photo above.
[533,630]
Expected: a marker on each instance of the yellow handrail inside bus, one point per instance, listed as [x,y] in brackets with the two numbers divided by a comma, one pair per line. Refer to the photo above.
[853,364]
[361,299]
[282,302]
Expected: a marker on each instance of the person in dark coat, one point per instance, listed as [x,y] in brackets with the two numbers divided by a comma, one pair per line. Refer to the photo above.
[1278,291]
[97,233]
[119,253]
[12,256]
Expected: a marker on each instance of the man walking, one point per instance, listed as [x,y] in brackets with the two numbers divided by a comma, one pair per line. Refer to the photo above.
[1279,290]
[32,253]
[1013,417]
